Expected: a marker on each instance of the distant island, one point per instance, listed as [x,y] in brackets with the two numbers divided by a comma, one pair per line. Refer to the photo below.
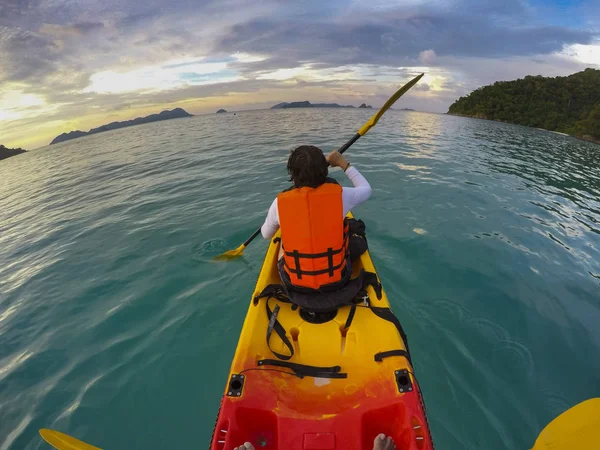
[307,104]
[164,115]
[221,111]
[568,105]
[8,152]
[365,106]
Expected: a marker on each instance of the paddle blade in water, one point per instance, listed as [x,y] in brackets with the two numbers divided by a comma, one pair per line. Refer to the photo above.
[576,428]
[231,254]
[63,441]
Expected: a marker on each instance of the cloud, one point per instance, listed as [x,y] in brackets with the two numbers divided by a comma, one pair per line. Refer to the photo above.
[397,41]
[82,57]
[149,79]
[25,55]
[12,9]
[71,30]
[427,57]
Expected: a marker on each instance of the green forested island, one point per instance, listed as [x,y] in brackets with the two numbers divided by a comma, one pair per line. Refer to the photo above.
[565,104]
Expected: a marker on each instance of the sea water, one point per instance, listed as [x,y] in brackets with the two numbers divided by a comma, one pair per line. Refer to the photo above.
[118,328]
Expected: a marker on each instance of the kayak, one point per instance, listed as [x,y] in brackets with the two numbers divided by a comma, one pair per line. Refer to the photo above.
[306,381]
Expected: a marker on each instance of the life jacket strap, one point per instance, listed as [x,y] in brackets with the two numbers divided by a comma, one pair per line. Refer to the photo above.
[329,254]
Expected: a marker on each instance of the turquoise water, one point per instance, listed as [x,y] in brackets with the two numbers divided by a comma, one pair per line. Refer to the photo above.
[116,326]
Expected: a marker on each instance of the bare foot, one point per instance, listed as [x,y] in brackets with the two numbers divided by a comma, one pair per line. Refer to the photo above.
[383,442]
[246,446]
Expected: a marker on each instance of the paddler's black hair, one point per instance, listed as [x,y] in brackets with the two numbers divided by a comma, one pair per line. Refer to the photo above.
[307,166]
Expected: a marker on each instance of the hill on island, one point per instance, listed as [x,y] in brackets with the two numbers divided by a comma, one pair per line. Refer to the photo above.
[568,104]
[8,152]
[164,115]
[307,104]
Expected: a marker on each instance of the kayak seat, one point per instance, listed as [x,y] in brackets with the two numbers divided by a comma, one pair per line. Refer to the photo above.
[329,298]
[325,302]
[317,317]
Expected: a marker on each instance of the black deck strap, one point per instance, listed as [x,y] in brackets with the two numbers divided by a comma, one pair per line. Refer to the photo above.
[275,291]
[276,240]
[371,278]
[275,325]
[303,370]
[381,355]
[350,317]
[387,314]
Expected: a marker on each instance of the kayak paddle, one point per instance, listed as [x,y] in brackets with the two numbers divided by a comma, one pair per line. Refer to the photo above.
[231,254]
[576,428]
[62,441]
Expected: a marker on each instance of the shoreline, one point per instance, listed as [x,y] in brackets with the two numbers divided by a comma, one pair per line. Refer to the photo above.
[584,138]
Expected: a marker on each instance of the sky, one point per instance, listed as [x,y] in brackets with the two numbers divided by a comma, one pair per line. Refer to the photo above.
[77,64]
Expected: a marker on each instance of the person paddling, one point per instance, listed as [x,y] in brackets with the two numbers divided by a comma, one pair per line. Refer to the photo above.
[316,250]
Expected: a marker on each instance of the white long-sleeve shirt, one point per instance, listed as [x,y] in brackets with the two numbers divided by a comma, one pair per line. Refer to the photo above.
[351,197]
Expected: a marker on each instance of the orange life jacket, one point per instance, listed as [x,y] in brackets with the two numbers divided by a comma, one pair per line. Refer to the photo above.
[315,236]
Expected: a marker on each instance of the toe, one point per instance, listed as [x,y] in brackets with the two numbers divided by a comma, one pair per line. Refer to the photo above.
[379,442]
[389,444]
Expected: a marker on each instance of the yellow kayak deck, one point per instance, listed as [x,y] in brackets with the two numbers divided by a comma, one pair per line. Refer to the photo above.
[345,396]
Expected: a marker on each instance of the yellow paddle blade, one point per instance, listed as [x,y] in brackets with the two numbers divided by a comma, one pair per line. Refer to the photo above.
[62,441]
[577,428]
[231,254]
[373,120]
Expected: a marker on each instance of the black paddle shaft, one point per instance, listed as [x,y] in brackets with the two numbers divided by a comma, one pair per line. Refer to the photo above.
[251,238]
[347,145]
